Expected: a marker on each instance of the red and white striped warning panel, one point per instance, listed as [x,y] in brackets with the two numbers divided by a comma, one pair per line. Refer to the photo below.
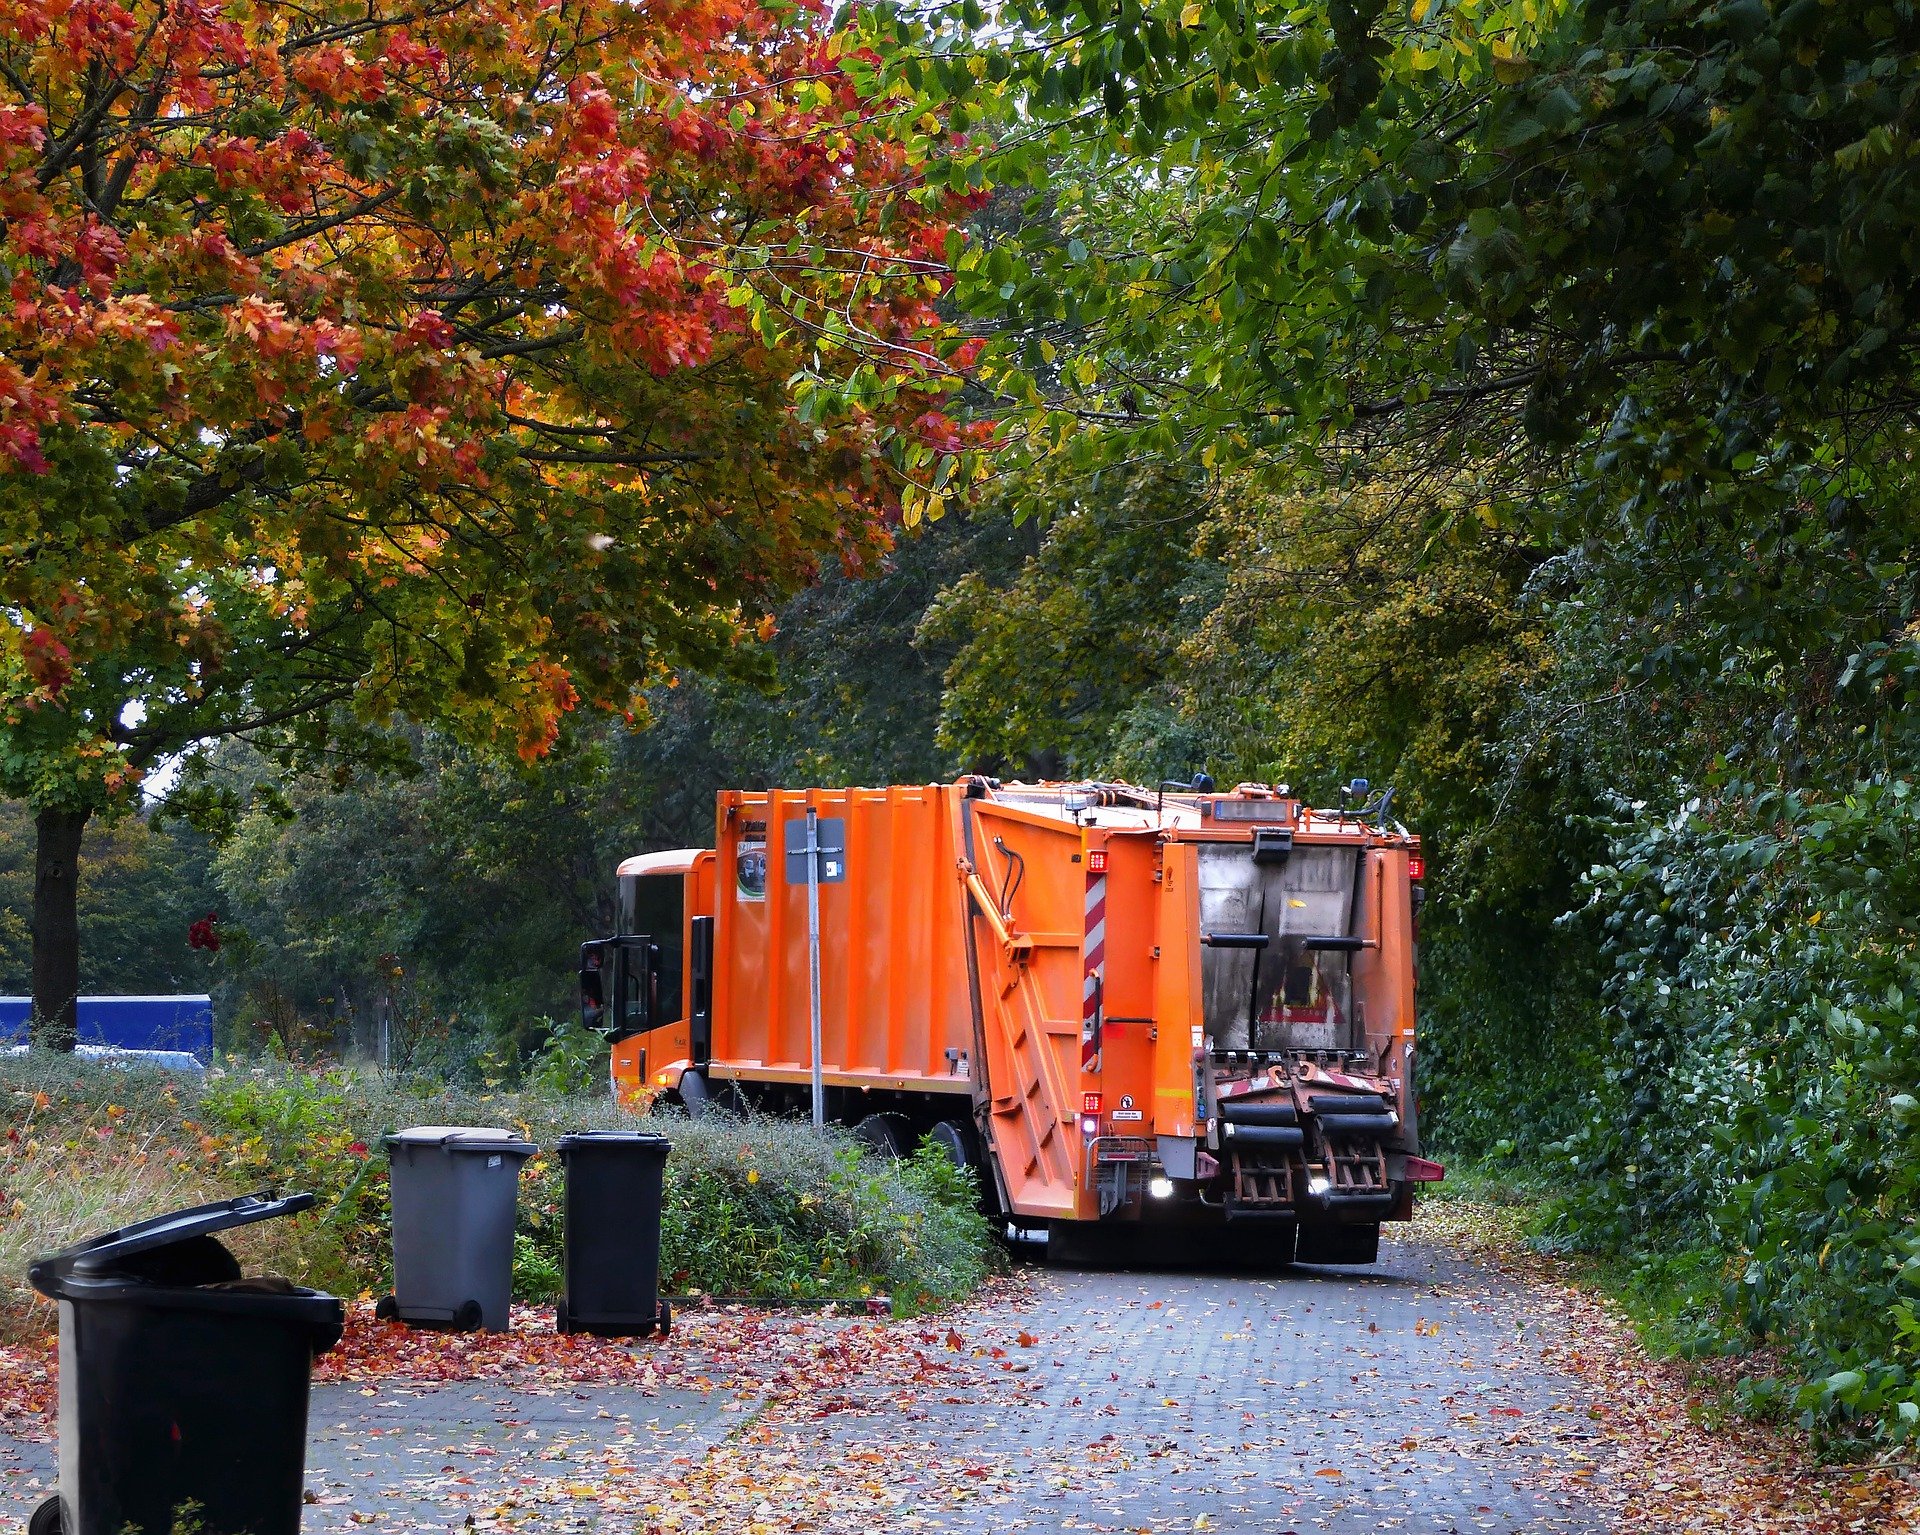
[1095,951]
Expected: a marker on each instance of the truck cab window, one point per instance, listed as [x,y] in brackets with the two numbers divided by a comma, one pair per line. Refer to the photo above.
[654,906]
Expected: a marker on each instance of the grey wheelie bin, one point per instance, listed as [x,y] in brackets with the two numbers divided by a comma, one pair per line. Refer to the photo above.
[183,1385]
[454,1189]
[612,1245]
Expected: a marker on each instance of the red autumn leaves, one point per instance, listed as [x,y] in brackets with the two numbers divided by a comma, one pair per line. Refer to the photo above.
[365,310]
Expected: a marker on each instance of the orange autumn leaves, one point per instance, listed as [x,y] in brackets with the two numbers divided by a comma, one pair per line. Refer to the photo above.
[430,361]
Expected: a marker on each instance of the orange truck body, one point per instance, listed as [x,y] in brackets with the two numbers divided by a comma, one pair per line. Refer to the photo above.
[1123,1008]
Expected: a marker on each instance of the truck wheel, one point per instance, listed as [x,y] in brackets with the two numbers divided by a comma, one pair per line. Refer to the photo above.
[888,1134]
[958,1141]
[45,1520]
[1089,1244]
[694,1094]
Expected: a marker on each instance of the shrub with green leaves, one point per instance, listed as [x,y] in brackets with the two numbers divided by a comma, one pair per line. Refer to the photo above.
[759,1207]
[1761,1103]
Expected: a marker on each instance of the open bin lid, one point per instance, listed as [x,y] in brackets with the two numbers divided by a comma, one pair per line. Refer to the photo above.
[464,1138]
[102,1254]
[133,1263]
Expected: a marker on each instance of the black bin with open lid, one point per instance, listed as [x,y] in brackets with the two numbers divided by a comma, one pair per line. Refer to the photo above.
[183,1383]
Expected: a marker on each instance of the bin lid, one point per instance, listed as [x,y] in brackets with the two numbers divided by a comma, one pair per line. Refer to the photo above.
[100,1255]
[649,1140]
[463,1138]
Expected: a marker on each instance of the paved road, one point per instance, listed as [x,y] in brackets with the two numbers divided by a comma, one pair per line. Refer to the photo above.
[1406,1397]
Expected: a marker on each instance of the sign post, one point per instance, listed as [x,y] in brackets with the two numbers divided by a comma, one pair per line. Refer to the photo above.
[813,961]
[816,855]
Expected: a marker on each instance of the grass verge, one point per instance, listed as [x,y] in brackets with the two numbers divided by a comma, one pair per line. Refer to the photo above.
[753,1207]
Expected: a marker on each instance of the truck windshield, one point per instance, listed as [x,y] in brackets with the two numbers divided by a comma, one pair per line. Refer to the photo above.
[1285,996]
[655,905]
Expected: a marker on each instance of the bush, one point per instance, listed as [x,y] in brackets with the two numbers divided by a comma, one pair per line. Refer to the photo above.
[1760,1140]
[755,1207]
[89,1149]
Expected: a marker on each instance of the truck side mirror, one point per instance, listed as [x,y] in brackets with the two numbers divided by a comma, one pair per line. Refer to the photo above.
[593,989]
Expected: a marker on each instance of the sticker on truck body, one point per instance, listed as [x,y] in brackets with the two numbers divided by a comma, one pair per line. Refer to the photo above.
[750,862]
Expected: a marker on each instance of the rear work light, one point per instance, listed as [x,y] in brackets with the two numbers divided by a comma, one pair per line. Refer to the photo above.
[1089,1126]
[1416,866]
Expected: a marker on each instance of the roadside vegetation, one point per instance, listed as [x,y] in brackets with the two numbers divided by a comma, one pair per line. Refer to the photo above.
[1514,405]
[754,1207]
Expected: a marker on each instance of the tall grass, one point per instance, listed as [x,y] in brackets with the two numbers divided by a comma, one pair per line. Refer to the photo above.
[88,1149]
[756,1207]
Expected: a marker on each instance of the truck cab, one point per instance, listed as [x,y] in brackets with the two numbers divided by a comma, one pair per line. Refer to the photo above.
[649,987]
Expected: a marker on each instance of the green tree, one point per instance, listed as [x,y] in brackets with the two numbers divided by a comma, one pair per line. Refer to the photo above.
[452,898]
[144,880]
[1641,273]
[1045,666]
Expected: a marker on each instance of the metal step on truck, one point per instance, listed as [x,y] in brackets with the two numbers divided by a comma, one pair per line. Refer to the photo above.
[1131,1011]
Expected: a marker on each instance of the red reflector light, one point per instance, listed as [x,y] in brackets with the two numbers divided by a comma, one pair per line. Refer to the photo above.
[1089,1103]
[1097,861]
[1416,866]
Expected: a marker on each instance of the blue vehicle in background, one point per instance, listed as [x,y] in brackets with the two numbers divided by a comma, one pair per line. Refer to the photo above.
[174,1032]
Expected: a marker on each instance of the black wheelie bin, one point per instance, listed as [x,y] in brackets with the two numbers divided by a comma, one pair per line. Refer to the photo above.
[455,1189]
[183,1385]
[611,1250]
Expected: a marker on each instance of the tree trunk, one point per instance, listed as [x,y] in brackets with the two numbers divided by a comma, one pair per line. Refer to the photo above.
[56,927]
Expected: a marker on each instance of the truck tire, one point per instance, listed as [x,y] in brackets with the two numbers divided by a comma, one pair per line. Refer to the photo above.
[888,1134]
[694,1094]
[959,1141]
[1092,1244]
[1324,1242]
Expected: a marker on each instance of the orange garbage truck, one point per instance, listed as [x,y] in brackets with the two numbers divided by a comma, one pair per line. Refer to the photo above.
[1128,1010]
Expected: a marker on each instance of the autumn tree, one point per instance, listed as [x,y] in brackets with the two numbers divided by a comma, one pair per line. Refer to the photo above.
[367,361]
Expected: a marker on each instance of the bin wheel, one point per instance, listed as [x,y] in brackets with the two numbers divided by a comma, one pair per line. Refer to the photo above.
[45,1520]
[666,1319]
[386,1309]
[467,1318]
[562,1323]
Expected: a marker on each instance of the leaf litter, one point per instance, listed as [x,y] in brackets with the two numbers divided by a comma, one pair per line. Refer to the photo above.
[1651,1444]
[847,1424]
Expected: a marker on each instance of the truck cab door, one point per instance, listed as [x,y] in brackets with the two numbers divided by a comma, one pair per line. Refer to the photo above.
[649,1012]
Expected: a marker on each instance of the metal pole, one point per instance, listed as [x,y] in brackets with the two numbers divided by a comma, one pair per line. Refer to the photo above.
[813,960]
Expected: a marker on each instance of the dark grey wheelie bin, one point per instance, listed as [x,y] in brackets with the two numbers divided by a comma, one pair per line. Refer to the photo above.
[183,1385]
[454,1191]
[612,1244]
